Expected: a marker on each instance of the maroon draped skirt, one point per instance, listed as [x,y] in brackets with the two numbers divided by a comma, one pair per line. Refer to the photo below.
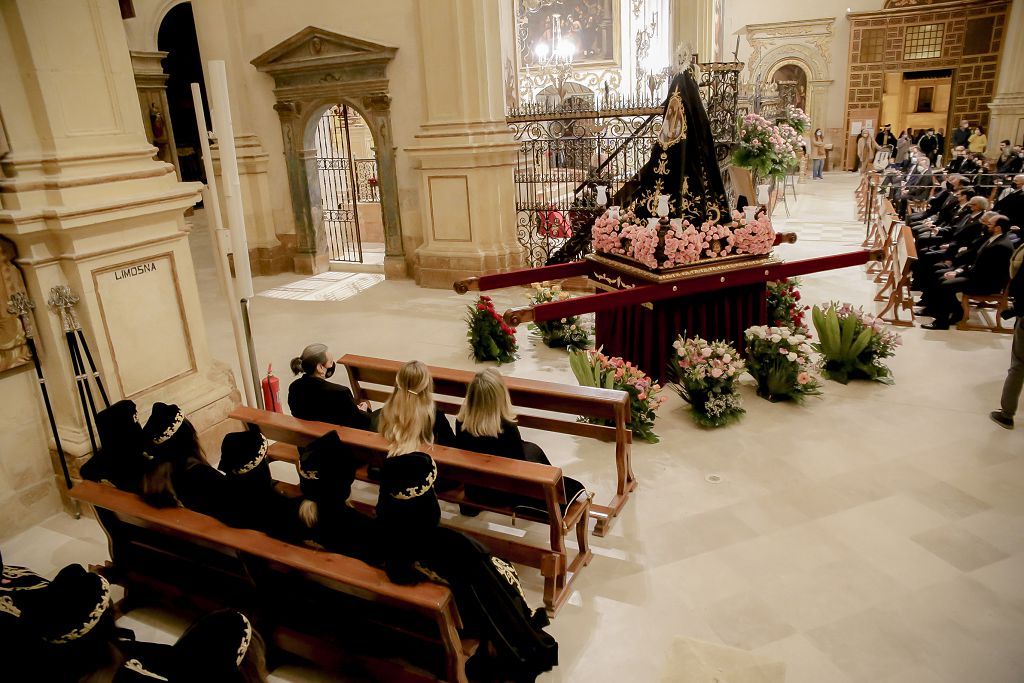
[644,335]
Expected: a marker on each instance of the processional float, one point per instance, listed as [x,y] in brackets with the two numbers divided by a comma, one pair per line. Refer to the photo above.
[669,269]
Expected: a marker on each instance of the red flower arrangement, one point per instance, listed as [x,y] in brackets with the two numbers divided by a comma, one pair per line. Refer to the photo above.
[784,307]
[490,338]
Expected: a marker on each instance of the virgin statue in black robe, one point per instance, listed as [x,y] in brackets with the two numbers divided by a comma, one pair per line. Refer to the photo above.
[683,164]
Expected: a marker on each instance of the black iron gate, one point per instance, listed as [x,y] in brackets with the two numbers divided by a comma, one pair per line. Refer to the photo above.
[344,182]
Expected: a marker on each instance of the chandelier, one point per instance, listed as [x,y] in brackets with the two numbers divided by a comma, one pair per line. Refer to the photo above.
[554,57]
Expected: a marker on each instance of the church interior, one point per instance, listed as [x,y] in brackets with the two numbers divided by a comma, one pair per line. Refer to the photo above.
[512,340]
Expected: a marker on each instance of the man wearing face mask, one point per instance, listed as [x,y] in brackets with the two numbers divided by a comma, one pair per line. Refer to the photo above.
[312,397]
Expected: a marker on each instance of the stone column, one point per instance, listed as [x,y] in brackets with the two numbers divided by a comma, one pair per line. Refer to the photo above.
[87,205]
[692,25]
[217,28]
[465,152]
[151,82]
[1007,119]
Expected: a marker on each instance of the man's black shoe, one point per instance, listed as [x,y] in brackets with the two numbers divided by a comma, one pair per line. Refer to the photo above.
[1001,420]
[936,326]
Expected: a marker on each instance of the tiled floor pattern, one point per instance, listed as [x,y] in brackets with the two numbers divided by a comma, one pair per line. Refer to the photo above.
[875,534]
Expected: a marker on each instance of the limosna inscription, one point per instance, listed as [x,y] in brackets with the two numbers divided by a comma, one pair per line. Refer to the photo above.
[133,271]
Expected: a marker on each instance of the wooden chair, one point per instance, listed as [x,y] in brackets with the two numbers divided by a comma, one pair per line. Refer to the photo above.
[885,271]
[997,303]
[901,269]
[560,405]
[305,602]
[461,468]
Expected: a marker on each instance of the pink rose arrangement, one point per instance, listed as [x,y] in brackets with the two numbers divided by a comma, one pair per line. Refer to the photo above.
[716,240]
[705,375]
[643,243]
[797,118]
[595,369]
[682,245]
[606,235]
[754,237]
[779,359]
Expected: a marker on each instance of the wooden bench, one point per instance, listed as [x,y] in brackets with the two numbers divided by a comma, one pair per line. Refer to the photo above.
[997,303]
[196,561]
[522,479]
[897,286]
[562,403]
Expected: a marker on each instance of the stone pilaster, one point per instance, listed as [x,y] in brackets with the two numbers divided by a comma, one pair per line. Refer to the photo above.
[465,152]
[151,82]
[268,255]
[1007,107]
[87,205]
[217,28]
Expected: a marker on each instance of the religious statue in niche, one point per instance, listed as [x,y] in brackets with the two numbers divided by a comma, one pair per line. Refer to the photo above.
[588,24]
[13,347]
[157,125]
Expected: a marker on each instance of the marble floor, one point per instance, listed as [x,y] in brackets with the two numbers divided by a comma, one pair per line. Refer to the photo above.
[874,534]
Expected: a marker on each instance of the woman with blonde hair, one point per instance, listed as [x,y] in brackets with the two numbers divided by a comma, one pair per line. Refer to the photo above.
[487,424]
[410,419]
[415,547]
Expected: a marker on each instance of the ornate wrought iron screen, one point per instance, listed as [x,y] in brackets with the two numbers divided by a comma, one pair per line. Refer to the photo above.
[344,182]
[566,151]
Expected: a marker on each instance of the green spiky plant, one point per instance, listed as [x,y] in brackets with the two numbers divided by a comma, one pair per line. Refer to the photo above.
[853,344]
[594,369]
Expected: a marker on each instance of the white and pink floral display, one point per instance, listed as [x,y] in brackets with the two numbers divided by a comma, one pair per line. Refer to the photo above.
[682,243]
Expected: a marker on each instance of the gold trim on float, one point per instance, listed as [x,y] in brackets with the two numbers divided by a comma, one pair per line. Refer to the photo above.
[723,264]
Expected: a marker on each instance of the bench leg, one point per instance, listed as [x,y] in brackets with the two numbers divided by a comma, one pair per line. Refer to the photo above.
[454,656]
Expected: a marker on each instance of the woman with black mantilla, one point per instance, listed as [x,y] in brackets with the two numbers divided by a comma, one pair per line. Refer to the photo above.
[312,397]
[258,503]
[326,471]
[415,547]
[179,473]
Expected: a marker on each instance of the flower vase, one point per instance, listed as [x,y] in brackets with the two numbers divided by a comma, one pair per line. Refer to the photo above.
[763,194]
[773,381]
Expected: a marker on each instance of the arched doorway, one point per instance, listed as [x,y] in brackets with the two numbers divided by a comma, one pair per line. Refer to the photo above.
[313,71]
[347,185]
[183,65]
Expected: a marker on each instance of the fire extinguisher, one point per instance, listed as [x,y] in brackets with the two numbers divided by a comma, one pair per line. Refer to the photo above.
[271,387]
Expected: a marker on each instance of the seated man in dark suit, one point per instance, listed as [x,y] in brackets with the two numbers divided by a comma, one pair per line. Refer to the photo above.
[929,234]
[959,154]
[1011,201]
[943,203]
[918,186]
[939,250]
[988,274]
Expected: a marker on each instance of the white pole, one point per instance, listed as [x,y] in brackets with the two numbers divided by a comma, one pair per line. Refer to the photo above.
[223,129]
[219,241]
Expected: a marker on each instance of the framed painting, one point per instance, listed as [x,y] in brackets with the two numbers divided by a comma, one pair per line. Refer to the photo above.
[590,26]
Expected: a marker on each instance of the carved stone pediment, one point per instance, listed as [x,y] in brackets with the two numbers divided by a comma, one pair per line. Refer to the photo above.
[318,50]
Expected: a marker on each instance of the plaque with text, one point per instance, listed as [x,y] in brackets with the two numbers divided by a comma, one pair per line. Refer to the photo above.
[144,322]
